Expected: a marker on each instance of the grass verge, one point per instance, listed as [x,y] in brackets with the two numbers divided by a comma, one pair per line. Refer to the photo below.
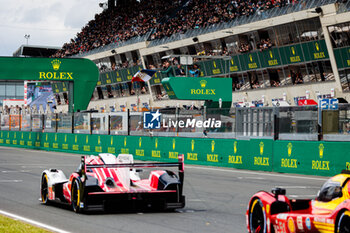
[9,225]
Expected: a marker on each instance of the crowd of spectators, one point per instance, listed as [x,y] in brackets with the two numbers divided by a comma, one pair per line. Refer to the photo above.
[265,44]
[162,18]
[118,25]
[297,77]
[244,48]
[203,13]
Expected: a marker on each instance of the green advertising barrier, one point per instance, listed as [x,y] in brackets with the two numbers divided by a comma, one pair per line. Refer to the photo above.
[300,157]
[312,158]
[342,56]
[250,61]
[253,154]
[233,65]
[315,51]
[212,67]
[157,78]
[270,58]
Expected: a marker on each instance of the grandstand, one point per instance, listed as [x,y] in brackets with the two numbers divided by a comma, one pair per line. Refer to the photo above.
[272,49]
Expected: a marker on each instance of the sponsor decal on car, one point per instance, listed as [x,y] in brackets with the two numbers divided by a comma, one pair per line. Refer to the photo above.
[300,223]
[291,225]
[308,223]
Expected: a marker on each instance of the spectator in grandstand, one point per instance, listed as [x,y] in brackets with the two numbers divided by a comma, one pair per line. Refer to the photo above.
[118,25]
[265,44]
[195,72]
[255,84]
[347,127]
[238,86]
[299,78]
[168,69]
[275,83]
[179,71]
[244,48]
[152,67]
[163,18]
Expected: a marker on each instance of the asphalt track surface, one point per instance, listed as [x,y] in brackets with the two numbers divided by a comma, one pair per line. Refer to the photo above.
[216,198]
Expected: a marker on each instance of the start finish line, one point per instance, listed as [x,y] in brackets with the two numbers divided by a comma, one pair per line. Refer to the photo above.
[82,75]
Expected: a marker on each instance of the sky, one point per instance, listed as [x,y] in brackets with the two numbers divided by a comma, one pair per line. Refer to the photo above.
[48,22]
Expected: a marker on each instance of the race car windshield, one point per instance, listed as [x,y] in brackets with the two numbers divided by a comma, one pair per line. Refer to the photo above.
[329,191]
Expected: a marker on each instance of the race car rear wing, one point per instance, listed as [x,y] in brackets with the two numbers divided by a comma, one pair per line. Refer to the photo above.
[179,164]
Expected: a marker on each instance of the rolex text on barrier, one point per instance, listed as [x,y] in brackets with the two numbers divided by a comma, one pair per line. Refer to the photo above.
[300,157]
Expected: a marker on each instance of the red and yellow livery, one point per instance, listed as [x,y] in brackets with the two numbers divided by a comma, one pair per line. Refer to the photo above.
[274,212]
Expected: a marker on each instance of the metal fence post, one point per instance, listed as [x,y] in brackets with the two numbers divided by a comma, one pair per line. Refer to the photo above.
[109,124]
[56,123]
[72,130]
[275,123]
[42,122]
[31,120]
[128,117]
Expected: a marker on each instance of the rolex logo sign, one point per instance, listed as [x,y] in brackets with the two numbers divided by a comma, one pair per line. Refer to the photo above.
[56,64]
[55,75]
[261,145]
[320,150]
[317,46]
[203,83]
[290,146]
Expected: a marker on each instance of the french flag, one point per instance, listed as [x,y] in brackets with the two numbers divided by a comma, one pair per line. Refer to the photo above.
[143,75]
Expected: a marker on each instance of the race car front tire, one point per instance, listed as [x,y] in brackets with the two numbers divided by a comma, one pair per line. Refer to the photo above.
[75,195]
[257,217]
[44,189]
[343,225]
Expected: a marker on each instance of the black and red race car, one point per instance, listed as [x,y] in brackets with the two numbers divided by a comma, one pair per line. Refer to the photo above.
[275,213]
[113,182]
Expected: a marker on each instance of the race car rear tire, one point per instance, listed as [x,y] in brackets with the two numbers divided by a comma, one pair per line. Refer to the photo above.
[44,189]
[343,225]
[257,217]
[75,197]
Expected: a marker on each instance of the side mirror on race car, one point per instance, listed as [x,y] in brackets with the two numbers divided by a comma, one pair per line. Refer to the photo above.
[278,191]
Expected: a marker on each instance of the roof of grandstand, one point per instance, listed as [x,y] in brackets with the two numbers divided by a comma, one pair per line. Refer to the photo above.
[35,51]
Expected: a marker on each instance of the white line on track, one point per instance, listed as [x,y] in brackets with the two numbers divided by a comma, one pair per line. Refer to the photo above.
[253,178]
[16,171]
[255,173]
[10,181]
[33,222]
[33,165]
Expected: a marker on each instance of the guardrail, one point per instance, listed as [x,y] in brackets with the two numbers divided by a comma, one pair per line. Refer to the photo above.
[277,123]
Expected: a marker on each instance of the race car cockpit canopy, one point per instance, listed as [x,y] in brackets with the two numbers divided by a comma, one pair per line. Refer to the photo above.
[329,191]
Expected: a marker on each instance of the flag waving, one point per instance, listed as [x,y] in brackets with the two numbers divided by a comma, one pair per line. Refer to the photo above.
[143,75]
